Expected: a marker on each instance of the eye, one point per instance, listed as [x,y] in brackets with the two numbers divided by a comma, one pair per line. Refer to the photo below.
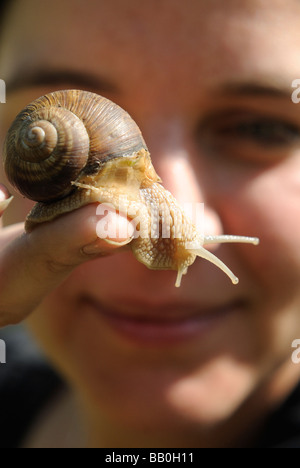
[248,136]
[261,131]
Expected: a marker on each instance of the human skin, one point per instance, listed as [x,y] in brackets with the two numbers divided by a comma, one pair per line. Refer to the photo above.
[182,73]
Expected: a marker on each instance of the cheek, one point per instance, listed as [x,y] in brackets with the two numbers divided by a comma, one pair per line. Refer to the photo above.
[267,206]
[59,324]
[52,323]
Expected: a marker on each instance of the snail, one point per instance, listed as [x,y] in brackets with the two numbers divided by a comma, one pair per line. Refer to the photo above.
[70,148]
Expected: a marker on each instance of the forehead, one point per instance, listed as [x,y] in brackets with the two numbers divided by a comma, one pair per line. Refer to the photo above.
[205,39]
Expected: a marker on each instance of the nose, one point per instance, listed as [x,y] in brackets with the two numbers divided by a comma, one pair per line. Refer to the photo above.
[178,161]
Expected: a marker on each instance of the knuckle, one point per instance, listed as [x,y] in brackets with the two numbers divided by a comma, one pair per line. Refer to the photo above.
[58,266]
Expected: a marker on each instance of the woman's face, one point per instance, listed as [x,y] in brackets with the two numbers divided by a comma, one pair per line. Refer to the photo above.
[209,84]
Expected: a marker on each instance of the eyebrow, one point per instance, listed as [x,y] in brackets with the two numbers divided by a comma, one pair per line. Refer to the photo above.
[253,88]
[55,77]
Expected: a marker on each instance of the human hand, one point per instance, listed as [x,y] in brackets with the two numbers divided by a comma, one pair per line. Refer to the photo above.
[33,264]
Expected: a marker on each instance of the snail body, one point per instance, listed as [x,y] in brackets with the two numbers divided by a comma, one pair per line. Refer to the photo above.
[71,148]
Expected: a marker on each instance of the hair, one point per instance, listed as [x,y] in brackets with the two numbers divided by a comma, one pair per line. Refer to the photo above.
[3,10]
[4,7]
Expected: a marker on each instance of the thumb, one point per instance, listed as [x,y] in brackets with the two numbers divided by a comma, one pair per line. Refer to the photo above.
[112,227]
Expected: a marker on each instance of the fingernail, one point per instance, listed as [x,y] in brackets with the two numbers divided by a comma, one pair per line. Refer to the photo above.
[5,199]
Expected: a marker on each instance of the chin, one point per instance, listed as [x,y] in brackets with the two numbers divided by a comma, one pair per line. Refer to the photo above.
[166,401]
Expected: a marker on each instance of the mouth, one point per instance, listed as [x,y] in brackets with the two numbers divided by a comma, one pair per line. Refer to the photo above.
[160,325]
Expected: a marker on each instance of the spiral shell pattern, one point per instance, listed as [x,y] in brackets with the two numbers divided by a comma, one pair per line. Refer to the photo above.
[63,136]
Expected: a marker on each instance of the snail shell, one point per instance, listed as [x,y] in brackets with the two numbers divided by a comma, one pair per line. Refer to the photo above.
[70,148]
[63,136]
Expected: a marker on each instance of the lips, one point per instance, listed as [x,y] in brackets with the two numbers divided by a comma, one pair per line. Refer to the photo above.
[159,325]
